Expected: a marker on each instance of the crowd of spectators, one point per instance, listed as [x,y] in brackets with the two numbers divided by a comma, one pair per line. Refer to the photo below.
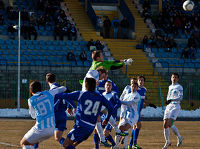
[120,28]
[43,16]
[95,45]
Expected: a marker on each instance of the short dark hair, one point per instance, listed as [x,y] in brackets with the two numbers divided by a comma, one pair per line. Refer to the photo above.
[35,87]
[176,74]
[139,77]
[90,84]
[50,77]
[102,70]
[96,54]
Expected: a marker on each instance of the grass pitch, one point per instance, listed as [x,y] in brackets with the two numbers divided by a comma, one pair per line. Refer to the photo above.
[150,137]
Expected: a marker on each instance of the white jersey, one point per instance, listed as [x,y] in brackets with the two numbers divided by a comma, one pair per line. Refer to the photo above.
[126,90]
[129,106]
[175,93]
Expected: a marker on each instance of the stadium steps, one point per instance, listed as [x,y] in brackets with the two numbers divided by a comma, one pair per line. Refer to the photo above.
[82,21]
[140,27]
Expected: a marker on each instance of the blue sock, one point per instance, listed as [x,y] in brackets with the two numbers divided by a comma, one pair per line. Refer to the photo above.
[61,141]
[70,147]
[136,133]
[36,145]
[110,139]
[132,137]
[96,141]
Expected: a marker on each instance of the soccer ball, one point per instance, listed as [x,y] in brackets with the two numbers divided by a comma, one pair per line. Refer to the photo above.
[188,5]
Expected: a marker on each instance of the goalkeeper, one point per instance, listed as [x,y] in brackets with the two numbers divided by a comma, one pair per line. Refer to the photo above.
[98,60]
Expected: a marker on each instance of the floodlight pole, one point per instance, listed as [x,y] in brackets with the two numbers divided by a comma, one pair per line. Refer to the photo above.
[18,74]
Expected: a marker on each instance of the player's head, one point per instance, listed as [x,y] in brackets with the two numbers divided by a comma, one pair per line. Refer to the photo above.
[50,78]
[140,81]
[97,56]
[108,86]
[35,87]
[102,73]
[90,84]
[134,87]
[133,80]
[174,78]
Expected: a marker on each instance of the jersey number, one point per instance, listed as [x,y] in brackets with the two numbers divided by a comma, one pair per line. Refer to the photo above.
[42,108]
[91,108]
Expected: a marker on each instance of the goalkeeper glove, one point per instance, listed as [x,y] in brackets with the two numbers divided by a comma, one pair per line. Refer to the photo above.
[128,61]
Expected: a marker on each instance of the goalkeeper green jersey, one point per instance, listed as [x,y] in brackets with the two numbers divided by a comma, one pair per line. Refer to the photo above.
[109,65]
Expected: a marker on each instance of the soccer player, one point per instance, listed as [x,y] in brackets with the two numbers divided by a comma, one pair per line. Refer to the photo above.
[88,110]
[98,60]
[129,113]
[127,89]
[136,128]
[40,107]
[60,107]
[174,97]
[102,82]
[114,99]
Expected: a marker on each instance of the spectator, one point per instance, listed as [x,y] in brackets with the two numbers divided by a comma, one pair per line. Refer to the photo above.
[24,15]
[11,32]
[191,42]
[185,53]
[107,25]
[32,31]
[192,52]
[100,25]
[146,14]
[83,56]
[71,57]
[172,43]
[90,43]
[145,42]
[99,45]
[32,19]
[57,32]
[66,31]
[41,21]
[115,25]
[25,31]
[124,24]
[73,32]
[1,19]
[48,20]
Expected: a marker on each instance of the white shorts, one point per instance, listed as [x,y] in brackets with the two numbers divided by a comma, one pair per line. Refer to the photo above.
[35,136]
[172,111]
[132,121]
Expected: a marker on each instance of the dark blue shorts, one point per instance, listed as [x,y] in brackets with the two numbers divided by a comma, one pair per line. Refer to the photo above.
[61,122]
[79,133]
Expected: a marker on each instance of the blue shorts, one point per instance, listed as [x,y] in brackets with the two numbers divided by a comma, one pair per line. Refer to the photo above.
[61,122]
[79,134]
[108,126]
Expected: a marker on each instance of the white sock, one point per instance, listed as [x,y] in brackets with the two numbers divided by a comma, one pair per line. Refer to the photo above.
[175,130]
[100,132]
[114,125]
[125,140]
[28,147]
[117,139]
[166,134]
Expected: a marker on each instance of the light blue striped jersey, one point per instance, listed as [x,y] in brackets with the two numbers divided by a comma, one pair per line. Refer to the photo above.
[43,105]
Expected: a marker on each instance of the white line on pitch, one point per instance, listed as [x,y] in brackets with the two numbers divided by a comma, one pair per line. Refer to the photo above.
[9,144]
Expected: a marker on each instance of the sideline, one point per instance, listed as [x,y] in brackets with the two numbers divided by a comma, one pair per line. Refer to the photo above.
[8,144]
